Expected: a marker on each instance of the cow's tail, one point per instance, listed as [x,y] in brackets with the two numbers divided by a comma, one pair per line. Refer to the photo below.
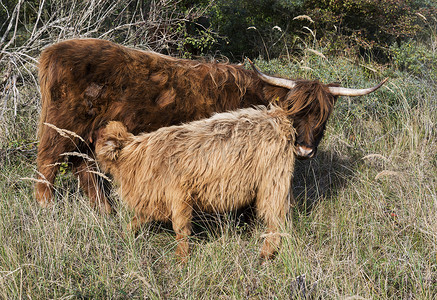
[47,77]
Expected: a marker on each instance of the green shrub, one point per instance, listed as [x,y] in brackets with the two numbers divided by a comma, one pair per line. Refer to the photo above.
[254,28]
[416,58]
[369,27]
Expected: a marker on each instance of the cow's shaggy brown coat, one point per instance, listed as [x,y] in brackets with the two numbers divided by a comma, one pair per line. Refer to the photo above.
[214,165]
[86,83]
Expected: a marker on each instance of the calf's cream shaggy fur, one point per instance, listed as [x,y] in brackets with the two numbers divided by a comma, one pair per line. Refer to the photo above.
[213,165]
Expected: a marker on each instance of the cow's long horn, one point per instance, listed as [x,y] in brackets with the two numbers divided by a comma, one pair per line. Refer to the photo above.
[341,91]
[282,82]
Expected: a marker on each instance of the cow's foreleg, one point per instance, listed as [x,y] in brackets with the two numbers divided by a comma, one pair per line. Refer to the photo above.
[44,185]
[50,150]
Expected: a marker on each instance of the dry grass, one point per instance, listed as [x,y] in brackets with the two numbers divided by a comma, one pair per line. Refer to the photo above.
[365,227]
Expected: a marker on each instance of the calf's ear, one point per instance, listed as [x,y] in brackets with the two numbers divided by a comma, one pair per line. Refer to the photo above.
[110,149]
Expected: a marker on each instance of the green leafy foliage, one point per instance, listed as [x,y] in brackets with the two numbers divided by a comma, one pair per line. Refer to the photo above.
[195,40]
[370,26]
[270,29]
[237,28]
[253,28]
[416,58]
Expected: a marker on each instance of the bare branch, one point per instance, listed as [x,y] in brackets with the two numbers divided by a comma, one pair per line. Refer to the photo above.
[16,13]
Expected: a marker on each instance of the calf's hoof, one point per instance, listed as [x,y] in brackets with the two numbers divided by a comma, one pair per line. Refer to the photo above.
[182,253]
[270,248]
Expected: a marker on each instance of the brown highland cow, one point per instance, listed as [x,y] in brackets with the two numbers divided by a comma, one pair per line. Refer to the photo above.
[213,165]
[85,83]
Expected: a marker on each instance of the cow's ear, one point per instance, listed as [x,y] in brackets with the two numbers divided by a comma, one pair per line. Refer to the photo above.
[94,135]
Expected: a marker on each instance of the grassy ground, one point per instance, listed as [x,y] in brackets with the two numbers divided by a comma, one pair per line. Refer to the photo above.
[365,225]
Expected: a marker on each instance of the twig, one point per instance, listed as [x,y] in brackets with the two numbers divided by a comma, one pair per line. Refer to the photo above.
[16,11]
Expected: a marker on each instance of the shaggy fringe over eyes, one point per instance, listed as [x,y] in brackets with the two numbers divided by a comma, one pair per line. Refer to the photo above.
[311,97]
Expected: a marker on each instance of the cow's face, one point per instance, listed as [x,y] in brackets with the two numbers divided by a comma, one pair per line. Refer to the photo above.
[310,106]
[308,135]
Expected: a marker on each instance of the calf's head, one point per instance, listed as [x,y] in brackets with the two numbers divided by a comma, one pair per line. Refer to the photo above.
[110,140]
[309,104]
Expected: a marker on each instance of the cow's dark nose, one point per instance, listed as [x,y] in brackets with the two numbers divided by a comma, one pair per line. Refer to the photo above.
[304,152]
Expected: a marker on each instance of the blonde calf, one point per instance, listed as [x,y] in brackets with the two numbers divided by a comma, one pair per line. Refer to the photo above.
[214,165]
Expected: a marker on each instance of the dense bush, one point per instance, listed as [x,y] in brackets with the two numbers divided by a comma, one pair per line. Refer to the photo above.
[254,28]
[234,28]
[417,59]
[370,26]
[361,27]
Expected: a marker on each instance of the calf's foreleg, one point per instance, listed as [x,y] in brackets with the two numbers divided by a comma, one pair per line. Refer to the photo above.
[272,206]
[182,212]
